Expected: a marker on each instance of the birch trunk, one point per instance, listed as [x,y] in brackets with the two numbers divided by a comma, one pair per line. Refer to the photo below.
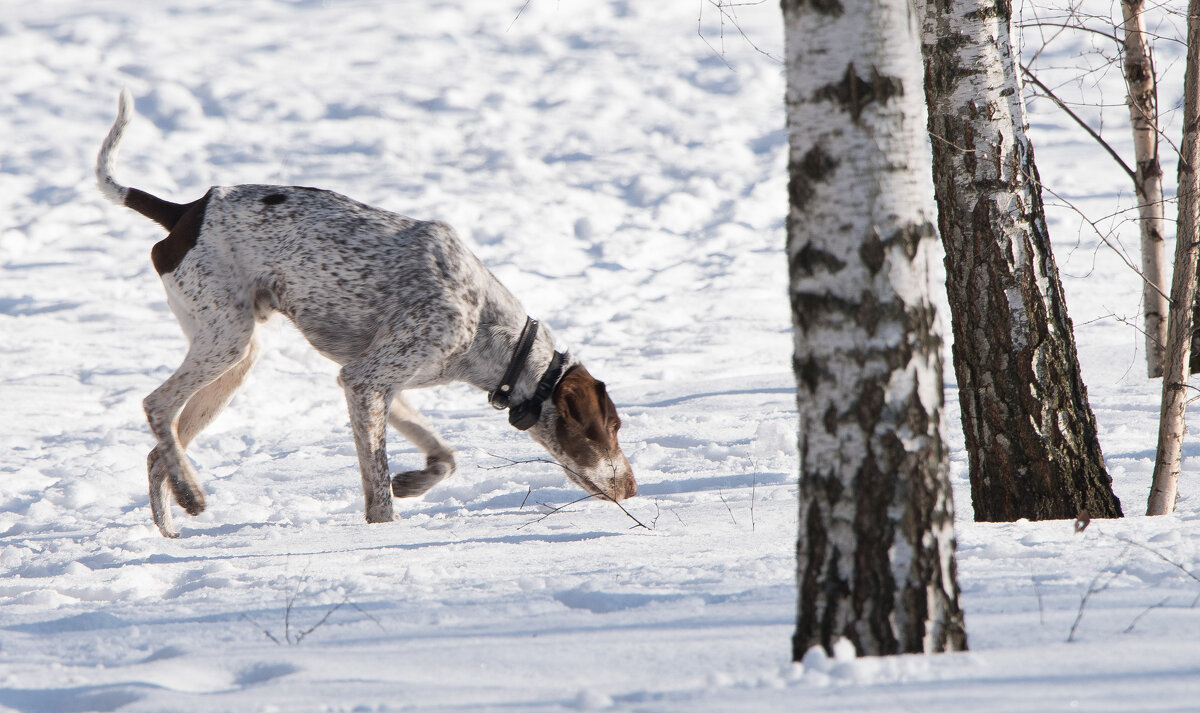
[875,552]
[1164,488]
[1143,117]
[1030,434]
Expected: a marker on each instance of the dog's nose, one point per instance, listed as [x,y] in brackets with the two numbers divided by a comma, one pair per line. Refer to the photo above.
[627,485]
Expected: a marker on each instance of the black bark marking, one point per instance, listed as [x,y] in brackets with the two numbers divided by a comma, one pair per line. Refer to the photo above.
[872,252]
[853,92]
[809,372]
[810,548]
[814,167]
[832,8]
[874,589]
[809,258]
[869,313]
[870,406]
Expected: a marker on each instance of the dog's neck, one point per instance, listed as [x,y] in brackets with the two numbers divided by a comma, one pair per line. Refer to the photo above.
[484,363]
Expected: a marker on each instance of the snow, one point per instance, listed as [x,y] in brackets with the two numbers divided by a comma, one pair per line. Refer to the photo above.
[628,184]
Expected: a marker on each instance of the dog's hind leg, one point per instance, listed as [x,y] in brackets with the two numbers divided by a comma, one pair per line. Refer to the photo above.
[439,456]
[221,346]
[201,409]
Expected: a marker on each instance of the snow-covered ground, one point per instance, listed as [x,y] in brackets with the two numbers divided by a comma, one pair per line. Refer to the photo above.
[628,183]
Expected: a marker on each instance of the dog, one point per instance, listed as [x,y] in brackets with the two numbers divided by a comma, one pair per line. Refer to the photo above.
[398,303]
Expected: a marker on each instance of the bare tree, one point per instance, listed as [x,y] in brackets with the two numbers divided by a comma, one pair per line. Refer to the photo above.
[876,540]
[1164,488]
[1143,118]
[1031,439]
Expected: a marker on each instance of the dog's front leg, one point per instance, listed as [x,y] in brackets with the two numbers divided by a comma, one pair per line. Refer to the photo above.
[368,404]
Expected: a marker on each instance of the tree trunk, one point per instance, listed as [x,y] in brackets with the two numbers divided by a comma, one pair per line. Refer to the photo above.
[1164,488]
[1143,117]
[1030,433]
[875,552]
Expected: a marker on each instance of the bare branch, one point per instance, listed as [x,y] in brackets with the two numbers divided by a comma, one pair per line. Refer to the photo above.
[1100,234]
[1082,28]
[728,12]
[518,17]
[1104,144]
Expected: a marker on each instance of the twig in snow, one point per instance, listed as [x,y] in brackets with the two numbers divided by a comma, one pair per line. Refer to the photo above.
[1159,555]
[314,627]
[553,510]
[1095,588]
[1037,591]
[1138,618]
[290,603]
[599,492]
[753,491]
[721,494]
[261,628]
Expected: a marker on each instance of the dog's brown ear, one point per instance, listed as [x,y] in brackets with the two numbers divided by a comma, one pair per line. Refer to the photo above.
[583,401]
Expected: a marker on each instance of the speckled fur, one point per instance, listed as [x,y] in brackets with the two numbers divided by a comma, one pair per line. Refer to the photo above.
[399,303]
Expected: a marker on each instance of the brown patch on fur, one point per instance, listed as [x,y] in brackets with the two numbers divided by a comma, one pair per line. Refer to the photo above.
[169,252]
[588,421]
[165,213]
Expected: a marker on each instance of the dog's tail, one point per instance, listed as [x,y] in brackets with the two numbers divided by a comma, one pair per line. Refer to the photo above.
[106,162]
[165,213]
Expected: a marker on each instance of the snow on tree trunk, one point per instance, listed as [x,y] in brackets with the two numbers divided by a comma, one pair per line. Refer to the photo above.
[1164,487]
[876,540]
[1143,117]
[1030,433]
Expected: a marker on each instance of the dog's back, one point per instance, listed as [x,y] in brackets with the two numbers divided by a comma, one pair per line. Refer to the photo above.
[342,270]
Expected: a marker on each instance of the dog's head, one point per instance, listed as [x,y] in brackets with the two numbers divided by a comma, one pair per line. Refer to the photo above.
[581,433]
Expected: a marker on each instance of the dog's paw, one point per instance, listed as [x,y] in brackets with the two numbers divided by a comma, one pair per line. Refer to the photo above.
[189,496]
[414,483]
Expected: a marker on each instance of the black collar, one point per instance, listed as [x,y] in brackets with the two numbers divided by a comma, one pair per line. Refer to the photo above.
[525,414]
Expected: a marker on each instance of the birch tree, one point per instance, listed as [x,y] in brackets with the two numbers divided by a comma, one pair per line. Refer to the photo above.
[1163,489]
[1147,179]
[875,552]
[1031,439]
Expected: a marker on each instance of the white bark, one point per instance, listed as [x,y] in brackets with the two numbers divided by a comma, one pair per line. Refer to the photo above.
[876,548]
[1164,488]
[1143,118]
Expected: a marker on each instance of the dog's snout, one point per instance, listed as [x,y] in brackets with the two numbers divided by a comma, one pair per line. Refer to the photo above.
[624,484]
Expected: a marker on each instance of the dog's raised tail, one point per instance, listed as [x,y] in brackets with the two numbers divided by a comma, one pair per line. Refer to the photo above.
[106,162]
[165,213]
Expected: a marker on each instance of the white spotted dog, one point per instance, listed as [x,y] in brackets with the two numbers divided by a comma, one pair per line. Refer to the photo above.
[398,303]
